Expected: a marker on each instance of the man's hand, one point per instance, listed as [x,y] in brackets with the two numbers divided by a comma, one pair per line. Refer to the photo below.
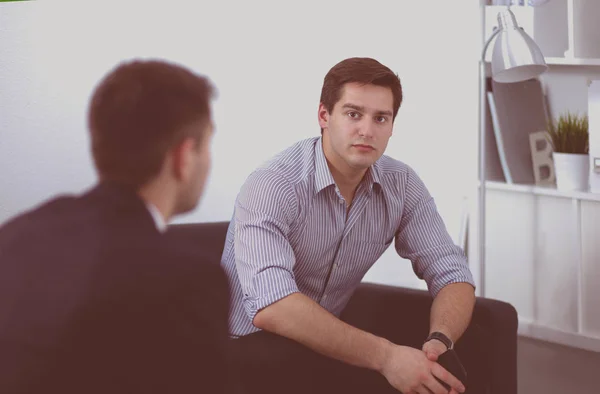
[433,349]
[410,371]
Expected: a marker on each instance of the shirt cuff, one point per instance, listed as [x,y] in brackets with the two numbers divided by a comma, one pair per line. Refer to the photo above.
[285,287]
[441,281]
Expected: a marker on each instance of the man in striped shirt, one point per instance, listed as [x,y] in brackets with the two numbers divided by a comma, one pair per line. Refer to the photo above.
[310,223]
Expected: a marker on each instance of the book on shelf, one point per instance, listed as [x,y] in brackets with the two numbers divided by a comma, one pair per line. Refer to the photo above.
[517,110]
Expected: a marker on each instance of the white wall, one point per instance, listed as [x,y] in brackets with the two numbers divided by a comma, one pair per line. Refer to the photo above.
[268,60]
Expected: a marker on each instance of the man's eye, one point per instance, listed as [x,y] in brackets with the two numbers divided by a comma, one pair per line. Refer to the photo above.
[381,119]
[353,114]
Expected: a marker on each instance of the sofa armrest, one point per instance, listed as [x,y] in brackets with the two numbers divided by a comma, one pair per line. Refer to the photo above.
[207,238]
[488,348]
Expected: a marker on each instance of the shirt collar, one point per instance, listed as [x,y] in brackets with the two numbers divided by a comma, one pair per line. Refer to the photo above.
[373,176]
[159,221]
[323,177]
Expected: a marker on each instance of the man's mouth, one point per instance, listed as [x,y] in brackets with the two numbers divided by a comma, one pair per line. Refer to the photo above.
[363,147]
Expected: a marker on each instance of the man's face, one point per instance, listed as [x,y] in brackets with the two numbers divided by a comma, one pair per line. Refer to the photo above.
[357,131]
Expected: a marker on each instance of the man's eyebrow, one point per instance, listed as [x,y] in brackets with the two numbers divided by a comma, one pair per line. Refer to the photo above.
[354,106]
[362,109]
[388,113]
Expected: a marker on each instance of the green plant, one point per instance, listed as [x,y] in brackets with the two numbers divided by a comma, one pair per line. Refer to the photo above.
[570,133]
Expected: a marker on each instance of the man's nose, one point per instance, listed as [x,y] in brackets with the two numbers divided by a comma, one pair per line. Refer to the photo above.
[367,129]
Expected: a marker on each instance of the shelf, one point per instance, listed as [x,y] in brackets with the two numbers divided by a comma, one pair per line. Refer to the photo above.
[581,341]
[542,191]
[565,61]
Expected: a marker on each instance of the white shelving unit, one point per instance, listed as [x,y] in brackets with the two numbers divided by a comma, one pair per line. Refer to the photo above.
[543,257]
[542,250]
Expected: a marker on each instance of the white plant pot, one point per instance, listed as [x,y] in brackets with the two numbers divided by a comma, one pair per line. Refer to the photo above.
[572,171]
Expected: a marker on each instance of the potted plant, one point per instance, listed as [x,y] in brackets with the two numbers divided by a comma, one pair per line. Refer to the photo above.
[570,140]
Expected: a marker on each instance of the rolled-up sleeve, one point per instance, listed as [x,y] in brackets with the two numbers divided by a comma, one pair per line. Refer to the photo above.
[422,238]
[265,209]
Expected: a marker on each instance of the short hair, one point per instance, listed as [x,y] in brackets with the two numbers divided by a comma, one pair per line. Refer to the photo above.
[362,70]
[139,111]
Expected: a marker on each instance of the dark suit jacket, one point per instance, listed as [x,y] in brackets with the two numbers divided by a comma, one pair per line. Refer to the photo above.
[94,299]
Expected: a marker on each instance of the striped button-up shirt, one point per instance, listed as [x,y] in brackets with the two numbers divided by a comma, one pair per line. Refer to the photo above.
[291,232]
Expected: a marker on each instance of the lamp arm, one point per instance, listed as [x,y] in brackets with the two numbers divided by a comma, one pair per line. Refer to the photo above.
[488,42]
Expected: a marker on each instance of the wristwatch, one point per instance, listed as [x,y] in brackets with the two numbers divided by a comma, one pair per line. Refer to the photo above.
[442,338]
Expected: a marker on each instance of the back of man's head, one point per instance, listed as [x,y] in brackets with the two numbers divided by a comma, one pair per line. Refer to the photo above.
[138,112]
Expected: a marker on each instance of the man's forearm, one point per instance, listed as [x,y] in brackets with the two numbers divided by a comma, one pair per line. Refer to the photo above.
[452,309]
[301,319]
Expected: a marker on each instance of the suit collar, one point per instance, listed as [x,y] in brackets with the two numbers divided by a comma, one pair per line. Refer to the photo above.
[125,202]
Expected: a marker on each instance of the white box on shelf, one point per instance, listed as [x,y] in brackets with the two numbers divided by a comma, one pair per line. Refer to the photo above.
[551,28]
[583,29]
[594,134]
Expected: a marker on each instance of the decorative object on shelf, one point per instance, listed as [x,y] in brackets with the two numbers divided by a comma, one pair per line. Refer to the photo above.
[496,168]
[515,58]
[540,143]
[594,132]
[570,140]
[519,110]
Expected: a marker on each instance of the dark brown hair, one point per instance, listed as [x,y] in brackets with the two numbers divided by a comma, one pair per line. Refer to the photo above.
[139,111]
[361,70]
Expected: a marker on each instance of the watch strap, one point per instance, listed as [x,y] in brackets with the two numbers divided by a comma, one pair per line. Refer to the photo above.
[442,338]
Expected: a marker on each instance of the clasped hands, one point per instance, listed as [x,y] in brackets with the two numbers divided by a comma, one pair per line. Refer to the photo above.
[414,371]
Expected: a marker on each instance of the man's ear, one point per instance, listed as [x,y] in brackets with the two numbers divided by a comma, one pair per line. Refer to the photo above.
[323,116]
[182,156]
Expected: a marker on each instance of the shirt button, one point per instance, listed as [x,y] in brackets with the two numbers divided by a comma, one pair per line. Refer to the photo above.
[341,201]
[324,297]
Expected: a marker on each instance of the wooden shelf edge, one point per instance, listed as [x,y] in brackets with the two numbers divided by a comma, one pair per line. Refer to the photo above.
[529,329]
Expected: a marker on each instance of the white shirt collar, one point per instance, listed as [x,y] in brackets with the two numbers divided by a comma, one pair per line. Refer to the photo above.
[159,221]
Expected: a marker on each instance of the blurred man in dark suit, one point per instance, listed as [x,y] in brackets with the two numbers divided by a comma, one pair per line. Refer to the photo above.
[94,296]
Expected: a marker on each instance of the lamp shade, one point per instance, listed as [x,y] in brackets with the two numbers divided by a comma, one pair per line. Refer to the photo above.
[516,56]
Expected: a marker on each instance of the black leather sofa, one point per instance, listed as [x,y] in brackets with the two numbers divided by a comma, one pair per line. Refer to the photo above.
[488,349]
